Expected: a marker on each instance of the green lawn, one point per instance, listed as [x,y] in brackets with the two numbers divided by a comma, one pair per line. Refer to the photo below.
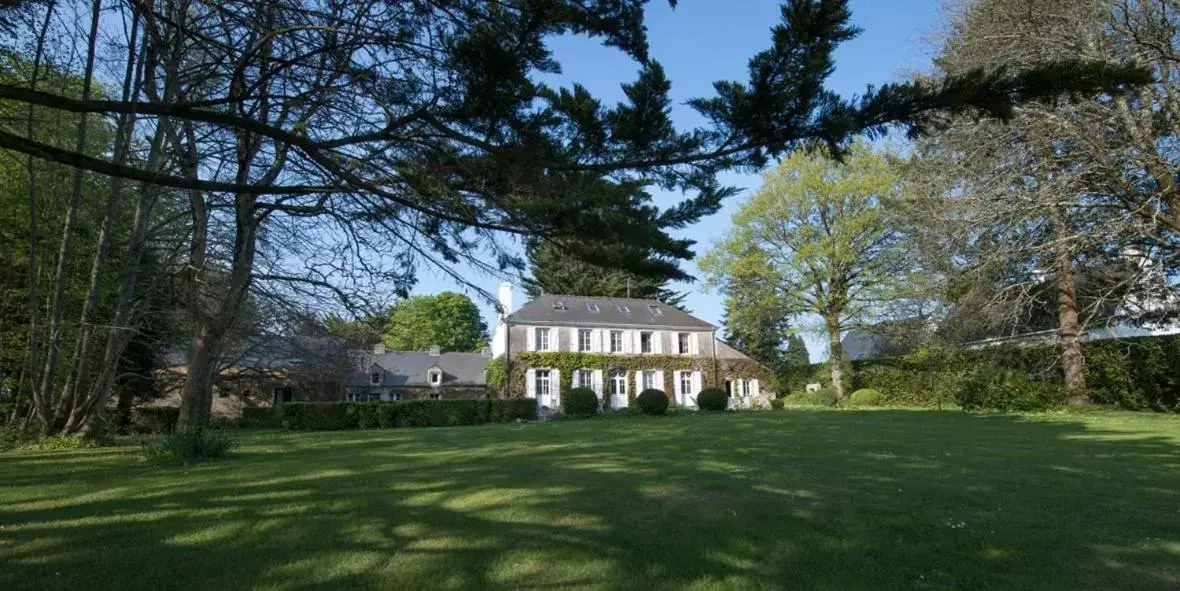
[831,499]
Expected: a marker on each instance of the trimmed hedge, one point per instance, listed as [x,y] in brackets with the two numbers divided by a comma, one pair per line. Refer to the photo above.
[330,416]
[821,397]
[262,416]
[155,419]
[866,397]
[579,402]
[652,402]
[713,399]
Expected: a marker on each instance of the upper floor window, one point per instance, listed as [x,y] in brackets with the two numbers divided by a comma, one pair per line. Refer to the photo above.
[542,339]
[584,336]
[375,378]
[592,307]
[682,343]
[542,382]
[616,341]
[435,377]
[655,310]
[645,345]
[624,309]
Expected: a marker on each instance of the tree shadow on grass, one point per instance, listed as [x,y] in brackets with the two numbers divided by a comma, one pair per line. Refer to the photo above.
[852,499]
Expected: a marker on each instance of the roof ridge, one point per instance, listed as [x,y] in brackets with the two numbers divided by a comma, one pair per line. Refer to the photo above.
[568,295]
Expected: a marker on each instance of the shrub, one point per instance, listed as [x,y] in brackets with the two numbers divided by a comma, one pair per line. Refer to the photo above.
[386,414]
[712,399]
[188,447]
[777,404]
[579,403]
[316,416]
[59,443]
[5,411]
[821,397]
[155,419]
[990,389]
[652,402]
[866,397]
[512,409]
[263,416]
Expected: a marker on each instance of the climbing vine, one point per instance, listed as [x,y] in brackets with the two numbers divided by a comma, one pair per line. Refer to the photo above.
[567,361]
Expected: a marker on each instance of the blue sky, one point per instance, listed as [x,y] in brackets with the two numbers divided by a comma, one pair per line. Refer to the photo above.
[706,40]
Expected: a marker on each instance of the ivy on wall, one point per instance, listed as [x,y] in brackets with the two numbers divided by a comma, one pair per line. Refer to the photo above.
[567,361]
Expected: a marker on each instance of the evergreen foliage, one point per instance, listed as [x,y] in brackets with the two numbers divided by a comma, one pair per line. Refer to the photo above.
[652,402]
[579,402]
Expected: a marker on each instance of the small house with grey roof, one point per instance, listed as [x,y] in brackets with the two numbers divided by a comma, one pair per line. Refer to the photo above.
[409,375]
[617,347]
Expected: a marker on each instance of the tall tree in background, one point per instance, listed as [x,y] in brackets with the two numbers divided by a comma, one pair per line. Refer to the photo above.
[326,148]
[449,320]
[797,359]
[817,233]
[756,322]
[1064,190]
[556,270]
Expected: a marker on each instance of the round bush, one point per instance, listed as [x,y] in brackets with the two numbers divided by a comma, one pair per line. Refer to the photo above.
[579,402]
[652,402]
[712,399]
[866,397]
[777,403]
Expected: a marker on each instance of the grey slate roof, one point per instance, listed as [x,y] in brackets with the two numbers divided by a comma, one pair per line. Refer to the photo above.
[576,313]
[409,368]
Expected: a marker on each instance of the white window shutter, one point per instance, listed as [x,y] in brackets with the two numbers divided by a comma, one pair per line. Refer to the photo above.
[657,343]
[573,376]
[530,383]
[694,347]
[635,346]
[555,385]
[697,382]
[754,388]
[531,339]
[596,381]
[660,381]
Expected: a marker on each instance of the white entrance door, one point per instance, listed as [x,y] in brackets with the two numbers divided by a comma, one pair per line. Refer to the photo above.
[618,389]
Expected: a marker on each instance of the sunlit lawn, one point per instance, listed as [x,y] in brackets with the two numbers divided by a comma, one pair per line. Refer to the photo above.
[835,500]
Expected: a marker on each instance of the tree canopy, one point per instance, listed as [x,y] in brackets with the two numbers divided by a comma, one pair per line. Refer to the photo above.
[448,320]
[556,270]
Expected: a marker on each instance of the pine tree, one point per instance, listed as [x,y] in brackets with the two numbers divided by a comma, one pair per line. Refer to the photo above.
[558,271]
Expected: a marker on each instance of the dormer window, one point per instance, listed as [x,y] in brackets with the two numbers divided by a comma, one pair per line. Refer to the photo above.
[435,377]
[655,310]
[592,307]
[559,305]
[375,378]
[624,309]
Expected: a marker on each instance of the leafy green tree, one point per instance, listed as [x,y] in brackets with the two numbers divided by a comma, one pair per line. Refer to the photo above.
[756,322]
[817,233]
[450,320]
[796,361]
[559,271]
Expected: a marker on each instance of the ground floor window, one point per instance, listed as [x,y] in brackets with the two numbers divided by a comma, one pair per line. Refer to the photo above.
[618,382]
[745,388]
[685,382]
[436,396]
[542,382]
[584,378]
[649,380]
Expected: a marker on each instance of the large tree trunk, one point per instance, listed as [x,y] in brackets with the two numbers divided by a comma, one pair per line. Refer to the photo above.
[34,299]
[1069,328]
[50,411]
[836,357]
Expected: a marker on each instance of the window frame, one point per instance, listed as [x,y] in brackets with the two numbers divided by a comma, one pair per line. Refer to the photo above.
[435,396]
[623,308]
[618,377]
[745,388]
[584,373]
[537,334]
[683,346]
[592,307]
[655,310]
[648,379]
[547,376]
[613,334]
[374,378]
[646,344]
[589,340]
[686,382]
